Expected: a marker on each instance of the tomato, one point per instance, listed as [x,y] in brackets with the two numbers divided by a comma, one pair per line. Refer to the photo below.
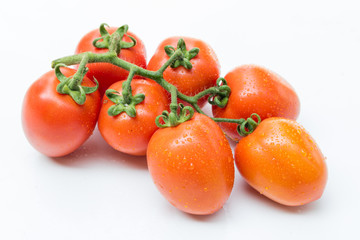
[203,74]
[283,162]
[106,73]
[132,135]
[256,90]
[192,165]
[54,123]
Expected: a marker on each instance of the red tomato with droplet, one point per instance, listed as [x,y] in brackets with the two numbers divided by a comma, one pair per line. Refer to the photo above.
[106,73]
[54,123]
[282,161]
[192,165]
[203,74]
[258,90]
[131,135]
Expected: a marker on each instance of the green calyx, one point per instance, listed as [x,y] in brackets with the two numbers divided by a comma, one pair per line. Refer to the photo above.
[121,105]
[184,60]
[173,119]
[114,41]
[72,85]
[221,96]
[249,125]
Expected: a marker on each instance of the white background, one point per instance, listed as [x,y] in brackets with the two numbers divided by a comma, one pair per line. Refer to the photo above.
[98,193]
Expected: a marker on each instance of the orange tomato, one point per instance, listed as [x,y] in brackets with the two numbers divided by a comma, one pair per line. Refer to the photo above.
[283,162]
[192,165]
[54,123]
[127,134]
[203,74]
[256,90]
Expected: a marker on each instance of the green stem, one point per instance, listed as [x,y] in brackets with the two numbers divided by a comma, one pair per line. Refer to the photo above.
[126,87]
[208,91]
[178,53]
[229,120]
[108,57]
[173,105]
[112,58]
[173,117]
[80,73]
[114,46]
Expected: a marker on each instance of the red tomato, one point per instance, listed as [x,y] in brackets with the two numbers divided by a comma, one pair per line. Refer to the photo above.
[256,90]
[192,165]
[204,73]
[106,73]
[132,135]
[283,162]
[54,123]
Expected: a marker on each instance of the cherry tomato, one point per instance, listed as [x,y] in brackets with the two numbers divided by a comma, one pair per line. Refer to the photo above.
[256,90]
[203,74]
[106,73]
[192,165]
[131,135]
[54,123]
[283,162]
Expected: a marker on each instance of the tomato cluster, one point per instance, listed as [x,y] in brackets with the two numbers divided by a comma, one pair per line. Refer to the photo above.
[189,156]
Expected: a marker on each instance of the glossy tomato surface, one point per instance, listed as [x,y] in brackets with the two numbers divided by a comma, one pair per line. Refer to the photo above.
[258,90]
[132,135]
[54,123]
[192,165]
[283,162]
[205,67]
[106,73]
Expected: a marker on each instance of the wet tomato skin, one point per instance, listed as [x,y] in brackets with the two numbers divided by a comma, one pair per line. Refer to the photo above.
[132,135]
[54,123]
[106,73]
[258,90]
[192,165]
[204,73]
[283,162]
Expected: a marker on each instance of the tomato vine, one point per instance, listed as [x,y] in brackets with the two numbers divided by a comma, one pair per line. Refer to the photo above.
[218,95]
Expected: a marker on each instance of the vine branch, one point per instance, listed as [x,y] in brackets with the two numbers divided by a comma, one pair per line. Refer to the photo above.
[218,95]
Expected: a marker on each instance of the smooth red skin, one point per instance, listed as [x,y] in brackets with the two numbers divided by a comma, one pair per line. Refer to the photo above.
[132,135]
[192,165]
[106,73]
[204,73]
[256,90]
[283,162]
[54,123]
